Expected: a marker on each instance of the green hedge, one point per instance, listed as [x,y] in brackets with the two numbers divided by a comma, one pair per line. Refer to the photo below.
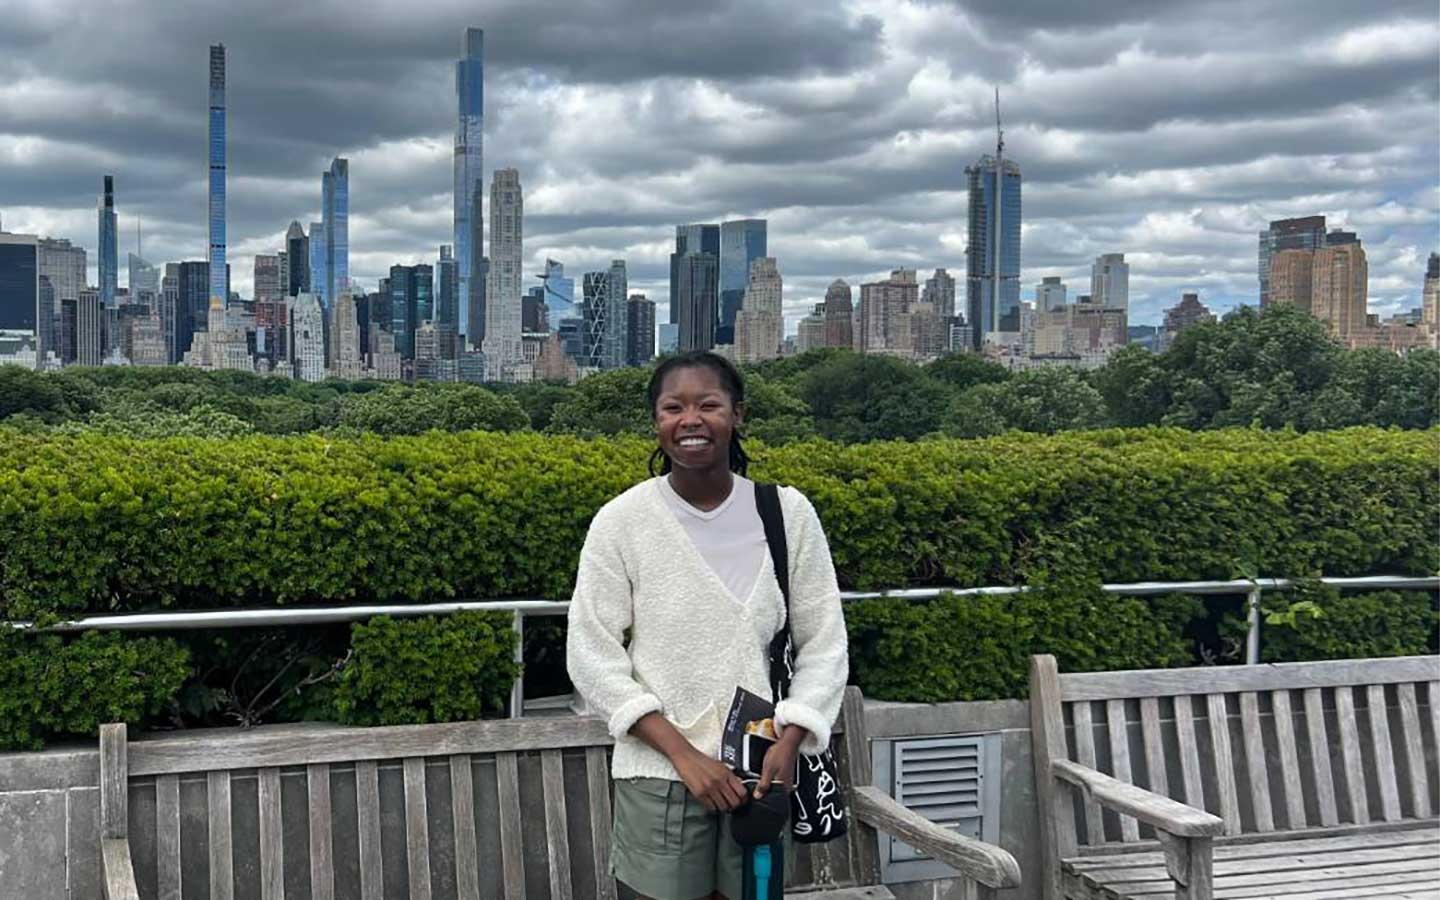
[98,523]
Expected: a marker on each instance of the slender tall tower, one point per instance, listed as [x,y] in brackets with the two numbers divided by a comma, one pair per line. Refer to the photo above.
[502,295]
[992,253]
[335,210]
[219,284]
[470,185]
[109,252]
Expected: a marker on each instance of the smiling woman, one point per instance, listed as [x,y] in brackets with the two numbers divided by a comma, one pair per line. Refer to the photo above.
[675,605]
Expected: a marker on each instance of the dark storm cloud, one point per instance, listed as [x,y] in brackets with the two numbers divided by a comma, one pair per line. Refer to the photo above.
[1167,130]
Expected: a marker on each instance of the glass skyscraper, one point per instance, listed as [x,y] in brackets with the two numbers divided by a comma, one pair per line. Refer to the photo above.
[984,315]
[741,243]
[335,210]
[691,239]
[559,293]
[318,257]
[218,286]
[109,253]
[470,185]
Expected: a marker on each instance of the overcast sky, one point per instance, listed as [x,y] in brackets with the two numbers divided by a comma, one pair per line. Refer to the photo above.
[1170,131]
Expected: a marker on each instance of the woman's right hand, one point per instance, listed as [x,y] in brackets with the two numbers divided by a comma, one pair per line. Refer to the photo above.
[710,780]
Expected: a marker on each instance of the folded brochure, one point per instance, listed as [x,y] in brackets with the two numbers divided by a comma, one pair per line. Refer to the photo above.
[749,732]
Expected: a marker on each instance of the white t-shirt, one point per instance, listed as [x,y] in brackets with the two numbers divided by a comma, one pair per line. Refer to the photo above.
[730,537]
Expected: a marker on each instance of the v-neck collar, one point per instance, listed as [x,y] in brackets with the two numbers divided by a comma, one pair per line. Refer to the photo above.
[698,558]
[705,514]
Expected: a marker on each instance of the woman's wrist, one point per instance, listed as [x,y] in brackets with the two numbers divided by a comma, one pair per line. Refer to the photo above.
[793,736]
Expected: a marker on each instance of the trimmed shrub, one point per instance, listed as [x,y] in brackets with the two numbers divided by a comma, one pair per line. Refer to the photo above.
[53,686]
[1318,622]
[414,671]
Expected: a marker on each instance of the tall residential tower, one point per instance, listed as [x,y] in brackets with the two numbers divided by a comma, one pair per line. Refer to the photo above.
[470,185]
[218,282]
[335,212]
[109,252]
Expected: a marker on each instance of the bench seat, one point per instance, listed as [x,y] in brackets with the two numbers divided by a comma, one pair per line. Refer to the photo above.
[1404,862]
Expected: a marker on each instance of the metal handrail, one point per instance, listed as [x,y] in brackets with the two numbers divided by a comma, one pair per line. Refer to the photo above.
[522,607]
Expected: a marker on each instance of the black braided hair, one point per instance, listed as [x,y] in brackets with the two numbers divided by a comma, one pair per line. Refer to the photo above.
[730,380]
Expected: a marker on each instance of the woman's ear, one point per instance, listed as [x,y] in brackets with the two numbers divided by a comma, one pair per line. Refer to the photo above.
[739,408]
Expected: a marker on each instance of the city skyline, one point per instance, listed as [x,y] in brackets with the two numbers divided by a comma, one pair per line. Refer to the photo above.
[848,132]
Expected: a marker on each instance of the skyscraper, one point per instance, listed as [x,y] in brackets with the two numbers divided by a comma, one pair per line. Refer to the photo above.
[62,268]
[741,243]
[640,323]
[143,277]
[307,338]
[412,301]
[318,258]
[1050,294]
[470,184]
[1340,285]
[559,293]
[219,283]
[267,278]
[992,253]
[606,317]
[297,255]
[760,324]
[109,262]
[19,282]
[839,315]
[1305,233]
[1110,282]
[939,291]
[335,211]
[697,275]
[691,239]
[447,310]
[503,290]
[1430,294]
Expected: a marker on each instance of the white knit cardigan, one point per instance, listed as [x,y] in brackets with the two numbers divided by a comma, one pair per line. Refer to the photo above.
[691,641]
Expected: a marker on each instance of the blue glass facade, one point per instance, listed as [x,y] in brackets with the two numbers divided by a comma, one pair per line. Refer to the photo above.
[983,315]
[470,185]
[559,293]
[335,206]
[317,261]
[412,301]
[218,286]
[691,239]
[109,263]
[741,243]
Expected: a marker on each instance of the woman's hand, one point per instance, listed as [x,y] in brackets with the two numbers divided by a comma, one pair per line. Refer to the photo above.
[710,780]
[778,769]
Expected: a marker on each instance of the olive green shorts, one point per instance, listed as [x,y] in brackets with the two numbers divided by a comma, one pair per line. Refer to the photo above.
[668,846]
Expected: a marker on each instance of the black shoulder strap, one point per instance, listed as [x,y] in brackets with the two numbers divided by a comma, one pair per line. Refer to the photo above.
[767,501]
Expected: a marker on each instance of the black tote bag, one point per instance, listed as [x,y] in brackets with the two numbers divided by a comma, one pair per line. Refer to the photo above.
[817,807]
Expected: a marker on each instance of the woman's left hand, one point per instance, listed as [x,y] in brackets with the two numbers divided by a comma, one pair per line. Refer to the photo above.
[778,769]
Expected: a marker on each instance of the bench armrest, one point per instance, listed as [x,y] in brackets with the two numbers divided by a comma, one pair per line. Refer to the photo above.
[119,873]
[983,862]
[1170,816]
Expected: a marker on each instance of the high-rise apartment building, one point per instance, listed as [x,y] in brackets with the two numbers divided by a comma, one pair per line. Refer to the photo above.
[1049,294]
[267,278]
[1110,282]
[412,299]
[1289,279]
[697,276]
[1306,233]
[318,257]
[470,184]
[89,344]
[992,253]
[693,239]
[307,337]
[760,323]
[170,312]
[297,257]
[19,282]
[109,258]
[219,278]
[447,309]
[640,330]
[349,353]
[885,307]
[742,241]
[1188,313]
[335,212]
[839,315]
[559,293]
[1430,296]
[939,291]
[503,292]
[606,317]
[62,269]
[144,277]
[810,334]
[1339,280]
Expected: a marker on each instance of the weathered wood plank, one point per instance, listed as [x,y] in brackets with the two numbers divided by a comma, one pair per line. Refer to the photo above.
[1385,779]
[272,845]
[976,859]
[1284,717]
[1047,739]
[1189,751]
[282,745]
[1199,869]
[1085,755]
[1120,761]
[222,871]
[367,811]
[1299,865]
[853,747]
[167,837]
[597,783]
[1157,776]
[1256,768]
[118,869]
[114,782]
[1170,815]
[1224,761]
[557,840]
[462,812]
[1350,756]
[1232,679]
[322,854]
[1413,742]
[417,829]
[1320,757]
[1265,846]
[512,860]
[1152,883]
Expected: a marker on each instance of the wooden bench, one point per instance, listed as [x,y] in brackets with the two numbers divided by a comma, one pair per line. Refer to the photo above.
[1301,781]
[497,809]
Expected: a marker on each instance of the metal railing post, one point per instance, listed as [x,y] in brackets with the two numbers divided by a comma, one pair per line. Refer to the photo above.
[517,690]
[1252,633]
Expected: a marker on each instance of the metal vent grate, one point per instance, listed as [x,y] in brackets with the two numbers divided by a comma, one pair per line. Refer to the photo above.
[953,781]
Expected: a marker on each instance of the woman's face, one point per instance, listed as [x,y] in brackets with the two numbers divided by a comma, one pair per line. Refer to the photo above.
[694,419]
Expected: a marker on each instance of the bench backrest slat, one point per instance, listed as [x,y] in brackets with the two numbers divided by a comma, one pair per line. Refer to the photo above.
[1355,745]
[272,849]
[222,873]
[167,835]
[462,819]
[417,829]
[317,820]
